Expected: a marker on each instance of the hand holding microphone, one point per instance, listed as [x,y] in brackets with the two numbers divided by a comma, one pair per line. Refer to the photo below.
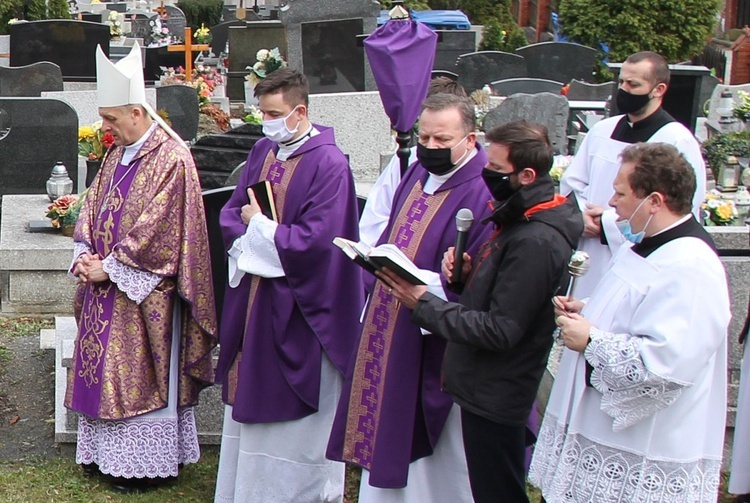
[464,219]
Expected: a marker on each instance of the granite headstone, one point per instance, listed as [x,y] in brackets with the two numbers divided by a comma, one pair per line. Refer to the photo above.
[69,44]
[30,80]
[220,35]
[561,61]
[548,109]
[35,133]
[244,44]
[322,42]
[583,91]
[508,87]
[477,69]
[181,105]
[217,155]
[175,22]
[453,44]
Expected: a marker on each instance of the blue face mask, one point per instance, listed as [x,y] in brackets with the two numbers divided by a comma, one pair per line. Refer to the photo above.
[626,229]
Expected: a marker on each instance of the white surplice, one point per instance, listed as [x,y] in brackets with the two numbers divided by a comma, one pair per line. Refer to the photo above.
[739,481]
[651,428]
[591,174]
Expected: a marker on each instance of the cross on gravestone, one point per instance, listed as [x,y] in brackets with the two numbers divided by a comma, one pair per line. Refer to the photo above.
[35,133]
[187,48]
[162,11]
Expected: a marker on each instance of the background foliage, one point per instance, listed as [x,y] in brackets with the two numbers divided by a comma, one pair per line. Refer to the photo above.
[202,11]
[678,31]
[58,9]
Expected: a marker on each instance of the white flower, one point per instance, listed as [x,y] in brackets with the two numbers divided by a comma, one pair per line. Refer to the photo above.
[262,55]
[258,66]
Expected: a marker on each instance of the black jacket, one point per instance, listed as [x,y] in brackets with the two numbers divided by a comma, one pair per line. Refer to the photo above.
[500,331]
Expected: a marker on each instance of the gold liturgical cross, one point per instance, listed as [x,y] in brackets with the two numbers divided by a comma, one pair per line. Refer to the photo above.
[188,47]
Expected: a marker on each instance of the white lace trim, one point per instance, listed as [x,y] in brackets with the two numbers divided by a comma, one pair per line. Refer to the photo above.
[78,250]
[259,255]
[573,468]
[630,393]
[139,448]
[135,283]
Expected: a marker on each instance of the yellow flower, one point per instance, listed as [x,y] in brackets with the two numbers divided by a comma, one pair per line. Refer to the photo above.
[86,133]
[724,212]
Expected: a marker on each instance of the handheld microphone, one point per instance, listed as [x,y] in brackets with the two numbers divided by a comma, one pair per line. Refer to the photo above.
[464,219]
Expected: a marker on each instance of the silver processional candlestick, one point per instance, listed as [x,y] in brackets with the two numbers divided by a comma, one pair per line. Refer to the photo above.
[578,265]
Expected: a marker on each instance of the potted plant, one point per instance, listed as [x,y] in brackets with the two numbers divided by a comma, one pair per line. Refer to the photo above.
[92,144]
[266,63]
[64,212]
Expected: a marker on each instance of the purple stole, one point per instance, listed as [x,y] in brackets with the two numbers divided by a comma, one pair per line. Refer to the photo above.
[377,342]
[99,299]
[278,173]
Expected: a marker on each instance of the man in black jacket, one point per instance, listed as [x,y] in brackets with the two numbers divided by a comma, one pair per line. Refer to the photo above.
[500,331]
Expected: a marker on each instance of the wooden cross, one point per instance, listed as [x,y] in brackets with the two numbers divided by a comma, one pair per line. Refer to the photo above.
[162,11]
[188,47]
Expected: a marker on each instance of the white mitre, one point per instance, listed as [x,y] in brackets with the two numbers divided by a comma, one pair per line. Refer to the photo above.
[119,84]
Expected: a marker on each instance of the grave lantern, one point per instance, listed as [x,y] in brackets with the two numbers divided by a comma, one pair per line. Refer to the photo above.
[59,183]
[725,108]
[729,175]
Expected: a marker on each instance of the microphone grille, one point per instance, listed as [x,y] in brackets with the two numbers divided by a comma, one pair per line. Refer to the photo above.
[464,219]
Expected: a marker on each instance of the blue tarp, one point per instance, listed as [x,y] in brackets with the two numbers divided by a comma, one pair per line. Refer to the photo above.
[435,19]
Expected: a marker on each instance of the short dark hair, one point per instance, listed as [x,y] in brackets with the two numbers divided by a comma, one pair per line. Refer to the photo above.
[659,67]
[528,145]
[443,101]
[446,85]
[660,167]
[290,83]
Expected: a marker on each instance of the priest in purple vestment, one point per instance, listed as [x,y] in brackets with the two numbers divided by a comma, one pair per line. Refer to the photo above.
[290,317]
[144,304]
[393,419]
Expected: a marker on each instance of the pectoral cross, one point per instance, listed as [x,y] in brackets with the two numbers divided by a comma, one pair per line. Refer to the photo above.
[188,47]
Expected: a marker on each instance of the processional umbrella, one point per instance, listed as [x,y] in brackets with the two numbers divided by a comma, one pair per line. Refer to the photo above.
[401,53]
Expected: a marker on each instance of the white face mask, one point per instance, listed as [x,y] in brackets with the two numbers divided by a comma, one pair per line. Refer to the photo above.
[277,131]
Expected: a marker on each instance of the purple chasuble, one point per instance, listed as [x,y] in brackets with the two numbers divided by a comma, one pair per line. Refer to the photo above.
[274,330]
[392,409]
[99,298]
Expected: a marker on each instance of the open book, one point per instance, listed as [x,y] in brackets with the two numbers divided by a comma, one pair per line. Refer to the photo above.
[385,255]
[264,195]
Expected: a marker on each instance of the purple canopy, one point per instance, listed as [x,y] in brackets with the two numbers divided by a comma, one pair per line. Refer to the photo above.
[401,54]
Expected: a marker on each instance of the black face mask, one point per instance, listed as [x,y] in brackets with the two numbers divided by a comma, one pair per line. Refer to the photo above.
[499,184]
[628,103]
[435,160]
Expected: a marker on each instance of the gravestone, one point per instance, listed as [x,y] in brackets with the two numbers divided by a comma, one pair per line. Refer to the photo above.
[181,103]
[713,103]
[69,44]
[30,80]
[220,35]
[477,69]
[508,87]
[140,27]
[583,91]
[321,40]
[548,109]
[156,57]
[175,22]
[217,155]
[453,44]
[244,44]
[35,133]
[213,201]
[121,7]
[561,61]
[91,17]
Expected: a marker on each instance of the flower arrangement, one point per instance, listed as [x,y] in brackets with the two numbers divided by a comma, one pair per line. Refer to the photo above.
[202,35]
[718,211]
[253,116]
[92,142]
[64,211]
[742,109]
[559,165]
[159,33]
[115,27]
[204,80]
[267,62]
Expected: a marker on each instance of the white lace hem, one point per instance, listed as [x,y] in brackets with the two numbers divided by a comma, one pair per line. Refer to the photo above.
[572,468]
[136,284]
[78,250]
[139,448]
[630,393]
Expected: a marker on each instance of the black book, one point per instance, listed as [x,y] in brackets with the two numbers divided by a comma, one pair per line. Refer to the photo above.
[385,255]
[264,196]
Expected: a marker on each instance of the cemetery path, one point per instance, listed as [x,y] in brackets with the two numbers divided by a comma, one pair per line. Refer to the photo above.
[27,389]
